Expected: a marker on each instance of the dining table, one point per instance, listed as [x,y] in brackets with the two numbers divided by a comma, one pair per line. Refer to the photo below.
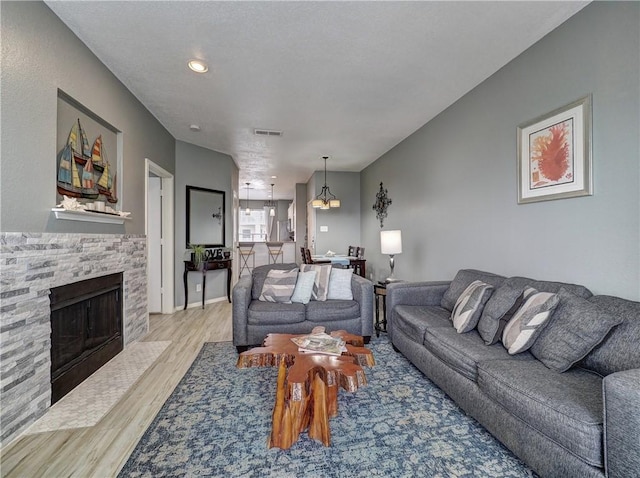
[357,263]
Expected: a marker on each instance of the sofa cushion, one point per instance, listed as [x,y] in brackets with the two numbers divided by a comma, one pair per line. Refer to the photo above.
[304,287]
[414,320]
[620,350]
[498,311]
[332,310]
[462,352]
[259,274]
[548,286]
[321,285]
[463,278]
[567,408]
[575,328]
[267,313]
[469,305]
[278,286]
[340,284]
[529,320]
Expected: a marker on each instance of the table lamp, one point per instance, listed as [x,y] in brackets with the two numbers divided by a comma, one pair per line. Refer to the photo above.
[391,244]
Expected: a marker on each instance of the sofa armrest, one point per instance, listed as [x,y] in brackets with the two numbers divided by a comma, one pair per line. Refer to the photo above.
[362,290]
[241,301]
[621,396]
[412,293]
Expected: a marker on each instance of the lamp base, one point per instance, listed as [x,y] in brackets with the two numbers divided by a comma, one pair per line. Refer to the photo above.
[389,280]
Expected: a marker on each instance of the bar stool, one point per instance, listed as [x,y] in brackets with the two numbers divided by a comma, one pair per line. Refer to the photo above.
[245,251]
[275,251]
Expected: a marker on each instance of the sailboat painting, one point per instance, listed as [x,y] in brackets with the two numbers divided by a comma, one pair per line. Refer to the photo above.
[84,172]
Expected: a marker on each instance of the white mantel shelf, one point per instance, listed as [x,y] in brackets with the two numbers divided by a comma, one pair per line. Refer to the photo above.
[86,216]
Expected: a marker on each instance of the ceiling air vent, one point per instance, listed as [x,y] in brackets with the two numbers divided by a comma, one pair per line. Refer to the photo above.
[267,132]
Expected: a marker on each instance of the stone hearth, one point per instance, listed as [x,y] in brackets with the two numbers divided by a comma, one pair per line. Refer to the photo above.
[30,265]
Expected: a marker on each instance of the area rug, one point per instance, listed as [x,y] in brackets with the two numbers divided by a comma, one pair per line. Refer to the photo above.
[86,404]
[217,420]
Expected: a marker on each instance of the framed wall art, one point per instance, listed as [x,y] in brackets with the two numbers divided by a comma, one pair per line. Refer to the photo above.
[89,159]
[554,154]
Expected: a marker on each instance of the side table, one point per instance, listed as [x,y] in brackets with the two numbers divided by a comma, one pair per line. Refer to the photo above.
[203,267]
[380,291]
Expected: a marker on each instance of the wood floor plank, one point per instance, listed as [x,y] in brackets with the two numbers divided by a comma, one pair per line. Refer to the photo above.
[102,450]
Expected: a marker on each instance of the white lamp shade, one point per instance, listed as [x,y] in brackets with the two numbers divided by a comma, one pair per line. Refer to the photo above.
[391,242]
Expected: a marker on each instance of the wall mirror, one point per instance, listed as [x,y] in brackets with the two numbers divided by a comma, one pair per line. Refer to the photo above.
[205,217]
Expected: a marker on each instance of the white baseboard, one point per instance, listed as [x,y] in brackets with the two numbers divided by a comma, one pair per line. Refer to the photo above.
[192,305]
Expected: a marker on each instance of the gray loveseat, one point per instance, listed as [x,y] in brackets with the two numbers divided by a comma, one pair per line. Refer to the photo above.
[254,319]
[584,422]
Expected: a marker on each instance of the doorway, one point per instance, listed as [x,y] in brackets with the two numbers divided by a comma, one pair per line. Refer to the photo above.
[159,231]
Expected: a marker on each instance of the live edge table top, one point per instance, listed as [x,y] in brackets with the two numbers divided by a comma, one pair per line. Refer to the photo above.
[307,388]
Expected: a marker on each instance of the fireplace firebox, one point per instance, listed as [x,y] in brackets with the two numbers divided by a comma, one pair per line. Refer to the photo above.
[86,330]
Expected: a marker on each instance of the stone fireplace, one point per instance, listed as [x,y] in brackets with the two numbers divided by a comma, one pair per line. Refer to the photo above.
[31,264]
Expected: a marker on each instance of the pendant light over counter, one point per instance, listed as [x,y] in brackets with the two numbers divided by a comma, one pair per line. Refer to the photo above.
[325,200]
[272,204]
[247,211]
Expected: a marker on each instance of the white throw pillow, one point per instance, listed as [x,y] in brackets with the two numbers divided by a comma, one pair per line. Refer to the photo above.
[340,284]
[468,309]
[304,287]
[529,320]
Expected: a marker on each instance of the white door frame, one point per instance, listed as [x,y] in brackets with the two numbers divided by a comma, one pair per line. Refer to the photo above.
[168,253]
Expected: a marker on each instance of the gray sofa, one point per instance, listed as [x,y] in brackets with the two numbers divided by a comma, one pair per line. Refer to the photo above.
[253,319]
[584,422]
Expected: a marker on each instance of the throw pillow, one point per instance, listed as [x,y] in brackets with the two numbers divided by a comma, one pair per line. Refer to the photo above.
[279,286]
[529,320]
[304,287]
[498,311]
[468,307]
[576,328]
[321,284]
[340,284]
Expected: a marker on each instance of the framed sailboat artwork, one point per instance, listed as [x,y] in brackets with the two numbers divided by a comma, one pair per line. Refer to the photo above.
[89,157]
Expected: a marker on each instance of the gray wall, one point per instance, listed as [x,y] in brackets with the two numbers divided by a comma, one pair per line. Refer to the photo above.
[39,56]
[453,182]
[342,222]
[201,167]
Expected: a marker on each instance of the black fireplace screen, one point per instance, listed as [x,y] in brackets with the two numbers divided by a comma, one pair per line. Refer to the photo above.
[86,330]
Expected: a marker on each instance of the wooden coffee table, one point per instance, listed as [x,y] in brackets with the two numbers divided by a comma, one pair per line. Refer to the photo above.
[307,387]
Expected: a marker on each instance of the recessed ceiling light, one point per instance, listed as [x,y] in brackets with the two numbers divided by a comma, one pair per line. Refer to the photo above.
[198,66]
[274,177]
[194,127]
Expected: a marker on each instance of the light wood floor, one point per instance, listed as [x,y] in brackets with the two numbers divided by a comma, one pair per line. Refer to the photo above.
[101,451]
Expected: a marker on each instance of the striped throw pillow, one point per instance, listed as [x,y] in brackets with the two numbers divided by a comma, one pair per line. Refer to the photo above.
[468,308]
[279,286]
[529,320]
[321,285]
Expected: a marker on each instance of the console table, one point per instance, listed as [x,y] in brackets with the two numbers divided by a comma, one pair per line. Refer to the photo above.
[204,267]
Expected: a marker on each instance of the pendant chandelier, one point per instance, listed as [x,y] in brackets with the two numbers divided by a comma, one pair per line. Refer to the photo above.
[325,200]
[247,211]
[272,204]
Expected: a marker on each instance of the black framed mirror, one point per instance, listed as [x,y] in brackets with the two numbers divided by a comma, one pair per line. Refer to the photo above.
[205,217]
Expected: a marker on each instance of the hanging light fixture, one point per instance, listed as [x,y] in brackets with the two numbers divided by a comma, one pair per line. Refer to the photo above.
[272,204]
[248,210]
[325,200]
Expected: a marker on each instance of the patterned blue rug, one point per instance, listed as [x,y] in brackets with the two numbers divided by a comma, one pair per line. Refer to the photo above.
[217,420]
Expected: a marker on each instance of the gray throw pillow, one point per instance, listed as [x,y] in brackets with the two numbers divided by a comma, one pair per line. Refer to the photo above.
[279,286]
[461,281]
[469,305]
[498,311]
[529,320]
[577,326]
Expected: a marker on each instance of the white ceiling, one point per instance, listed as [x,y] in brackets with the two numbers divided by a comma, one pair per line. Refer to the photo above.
[345,79]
